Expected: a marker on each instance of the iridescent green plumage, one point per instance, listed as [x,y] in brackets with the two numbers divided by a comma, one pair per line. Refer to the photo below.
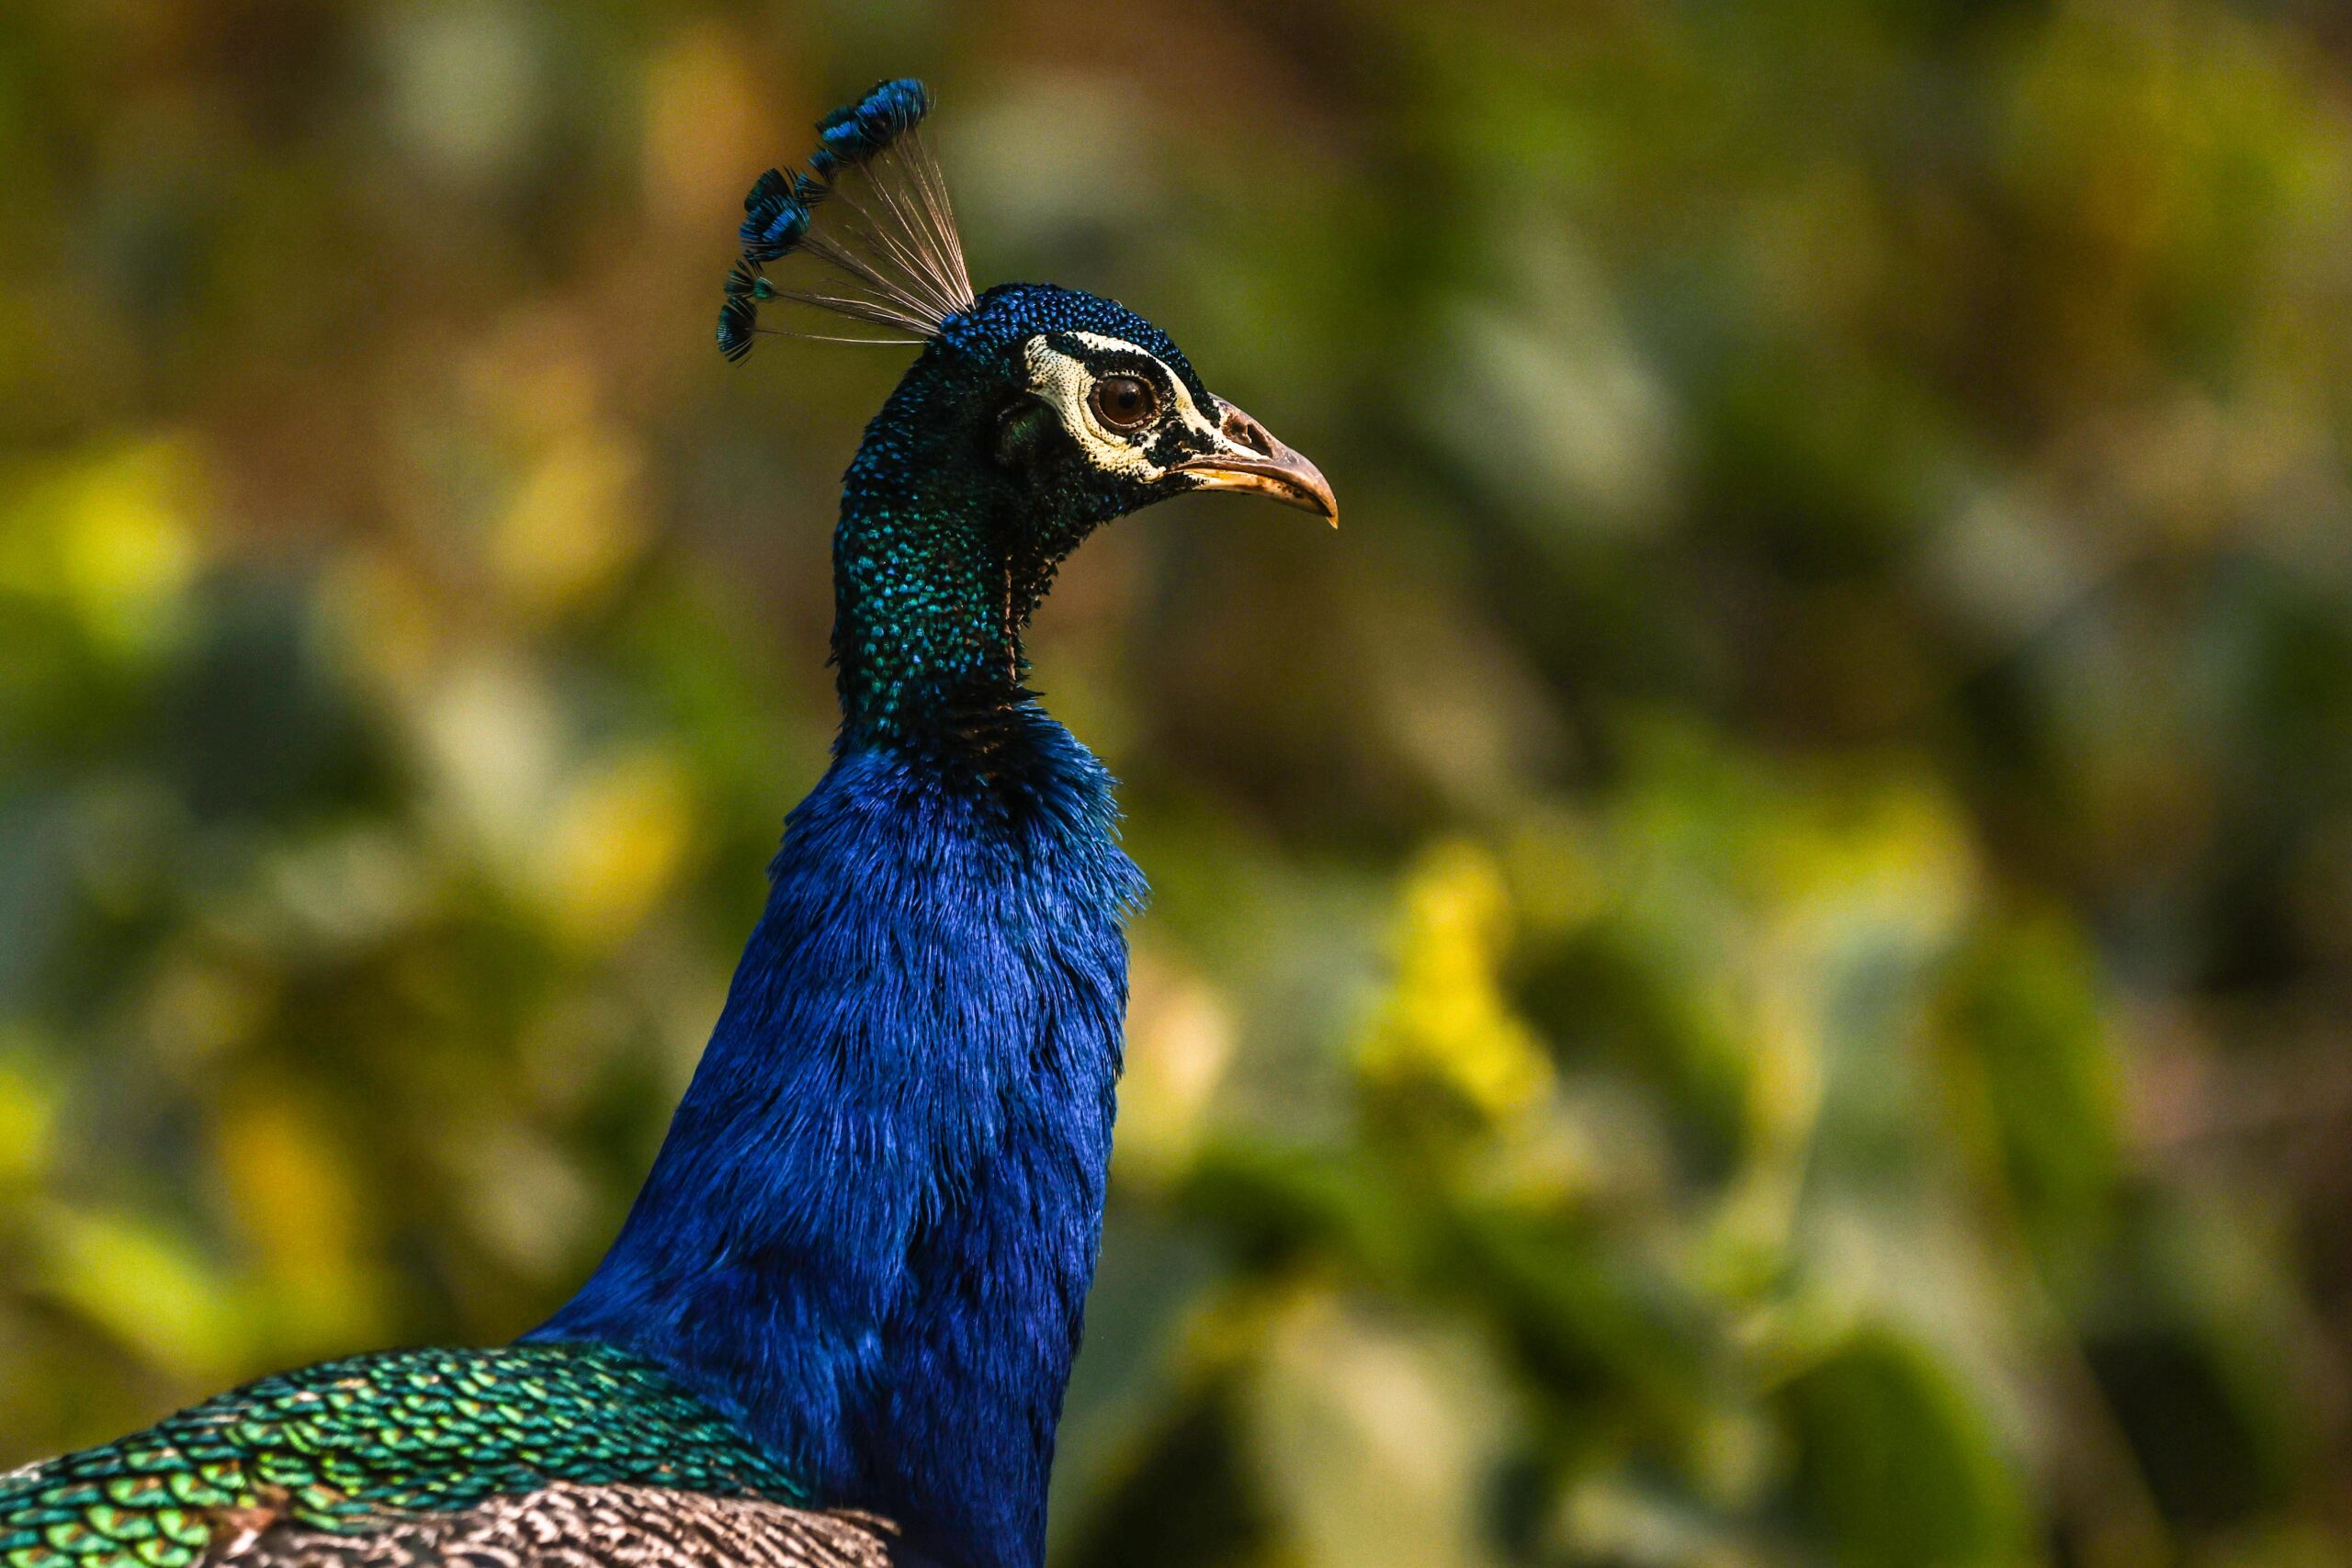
[339,1445]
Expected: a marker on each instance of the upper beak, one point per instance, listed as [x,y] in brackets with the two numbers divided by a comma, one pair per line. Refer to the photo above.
[1252,460]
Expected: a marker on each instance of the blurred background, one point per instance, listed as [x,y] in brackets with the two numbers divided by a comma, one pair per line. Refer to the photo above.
[1752,965]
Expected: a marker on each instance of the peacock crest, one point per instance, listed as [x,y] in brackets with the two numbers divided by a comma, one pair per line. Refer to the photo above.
[872,207]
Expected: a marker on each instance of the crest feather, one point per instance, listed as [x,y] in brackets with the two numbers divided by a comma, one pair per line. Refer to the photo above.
[890,234]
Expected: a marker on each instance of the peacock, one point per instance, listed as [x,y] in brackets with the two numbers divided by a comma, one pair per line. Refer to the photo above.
[837,1323]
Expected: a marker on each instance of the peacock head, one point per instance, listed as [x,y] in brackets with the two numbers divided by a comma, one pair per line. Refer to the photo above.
[1033,415]
[1071,404]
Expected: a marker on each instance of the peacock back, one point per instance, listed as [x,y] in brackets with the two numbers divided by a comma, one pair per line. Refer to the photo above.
[546,1453]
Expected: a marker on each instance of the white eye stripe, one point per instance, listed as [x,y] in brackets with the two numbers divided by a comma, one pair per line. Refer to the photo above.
[1066,382]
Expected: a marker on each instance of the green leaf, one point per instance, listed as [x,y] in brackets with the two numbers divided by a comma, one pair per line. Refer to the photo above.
[1896,1468]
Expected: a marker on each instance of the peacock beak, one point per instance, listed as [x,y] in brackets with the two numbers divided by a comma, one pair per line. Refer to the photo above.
[1251,461]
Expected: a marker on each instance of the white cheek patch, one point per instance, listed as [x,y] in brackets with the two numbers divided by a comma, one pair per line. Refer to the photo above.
[1066,383]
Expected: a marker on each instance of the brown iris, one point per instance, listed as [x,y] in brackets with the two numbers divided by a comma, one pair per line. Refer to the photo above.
[1125,403]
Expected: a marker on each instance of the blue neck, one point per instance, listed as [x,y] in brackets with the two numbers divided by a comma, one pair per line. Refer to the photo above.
[870,1232]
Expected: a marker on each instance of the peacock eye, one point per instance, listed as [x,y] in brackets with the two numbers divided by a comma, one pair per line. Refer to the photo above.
[1125,403]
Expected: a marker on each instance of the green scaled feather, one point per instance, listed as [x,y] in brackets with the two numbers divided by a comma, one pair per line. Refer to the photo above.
[338,1445]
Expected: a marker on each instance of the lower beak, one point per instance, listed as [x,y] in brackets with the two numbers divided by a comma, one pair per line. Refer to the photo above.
[1257,464]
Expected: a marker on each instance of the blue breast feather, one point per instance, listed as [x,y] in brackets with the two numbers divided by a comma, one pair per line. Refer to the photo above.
[869,1235]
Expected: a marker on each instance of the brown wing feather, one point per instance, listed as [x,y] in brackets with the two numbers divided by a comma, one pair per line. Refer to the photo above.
[565,1526]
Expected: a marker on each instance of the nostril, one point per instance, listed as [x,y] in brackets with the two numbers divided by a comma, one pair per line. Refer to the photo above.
[1243,431]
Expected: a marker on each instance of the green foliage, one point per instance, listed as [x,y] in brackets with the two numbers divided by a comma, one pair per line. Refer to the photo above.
[1746,967]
